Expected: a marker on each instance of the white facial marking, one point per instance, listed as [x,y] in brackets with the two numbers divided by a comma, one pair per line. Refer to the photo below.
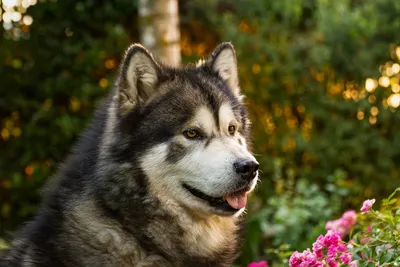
[166,179]
[204,119]
[207,165]
[161,177]
[226,118]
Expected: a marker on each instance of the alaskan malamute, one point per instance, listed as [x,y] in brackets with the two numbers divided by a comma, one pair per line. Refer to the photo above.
[160,177]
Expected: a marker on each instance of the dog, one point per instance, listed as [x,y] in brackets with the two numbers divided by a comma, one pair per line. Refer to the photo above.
[159,178]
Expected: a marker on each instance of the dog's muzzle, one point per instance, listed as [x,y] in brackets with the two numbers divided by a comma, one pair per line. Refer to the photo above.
[247,169]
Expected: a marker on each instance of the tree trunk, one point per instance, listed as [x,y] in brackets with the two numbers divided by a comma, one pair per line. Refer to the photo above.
[159,25]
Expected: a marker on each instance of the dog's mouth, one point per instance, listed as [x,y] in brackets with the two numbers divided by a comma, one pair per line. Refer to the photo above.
[231,202]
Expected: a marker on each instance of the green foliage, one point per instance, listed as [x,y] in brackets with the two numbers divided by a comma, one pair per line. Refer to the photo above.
[298,218]
[293,219]
[319,135]
[374,241]
[51,83]
[303,66]
[377,239]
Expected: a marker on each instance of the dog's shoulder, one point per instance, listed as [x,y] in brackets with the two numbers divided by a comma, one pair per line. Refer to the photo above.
[90,230]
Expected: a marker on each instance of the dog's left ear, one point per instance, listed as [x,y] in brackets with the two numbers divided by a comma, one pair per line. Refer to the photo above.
[138,78]
[223,61]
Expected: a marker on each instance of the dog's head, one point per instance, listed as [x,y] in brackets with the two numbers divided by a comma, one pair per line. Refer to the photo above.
[186,129]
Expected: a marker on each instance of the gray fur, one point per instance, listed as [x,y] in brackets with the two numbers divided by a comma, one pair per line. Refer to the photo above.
[120,199]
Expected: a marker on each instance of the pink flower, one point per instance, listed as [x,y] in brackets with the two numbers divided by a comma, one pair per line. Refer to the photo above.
[311,259]
[367,205]
[346,257]
[336,226]
[305,259]
[332,263]
[332,239]
[349,218]
[258,264]
[296,259]
[318,246]
[318,253]
[331,243]
[353,264]
[343,225]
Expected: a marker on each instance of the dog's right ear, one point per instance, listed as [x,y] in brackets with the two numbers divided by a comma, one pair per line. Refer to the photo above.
[137,79]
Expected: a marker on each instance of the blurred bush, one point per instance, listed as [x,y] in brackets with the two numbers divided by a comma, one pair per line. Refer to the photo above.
[53,74]
[321,79]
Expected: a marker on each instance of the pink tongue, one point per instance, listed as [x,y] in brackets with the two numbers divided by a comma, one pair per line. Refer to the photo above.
[237,200]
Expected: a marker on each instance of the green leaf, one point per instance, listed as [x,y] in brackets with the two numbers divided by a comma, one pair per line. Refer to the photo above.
[391,195]
[387,257]
[367,253]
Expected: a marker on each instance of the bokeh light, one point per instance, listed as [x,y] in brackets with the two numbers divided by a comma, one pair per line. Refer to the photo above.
[27,20]
[360,115]
[10,3]
[394,100]
[370,85]
[372,119]
[395,88]
[12,13]
[374,111]
[390,85]
[384,81]
[395,68]
[16,16]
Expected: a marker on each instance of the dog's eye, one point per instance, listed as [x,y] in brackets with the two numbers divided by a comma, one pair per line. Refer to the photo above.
[232,129]
[191,133]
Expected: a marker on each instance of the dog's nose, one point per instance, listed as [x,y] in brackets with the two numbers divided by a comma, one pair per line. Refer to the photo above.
[246,168]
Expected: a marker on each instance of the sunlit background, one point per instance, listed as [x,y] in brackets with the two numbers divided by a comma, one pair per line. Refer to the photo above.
[14,17]
[321,79]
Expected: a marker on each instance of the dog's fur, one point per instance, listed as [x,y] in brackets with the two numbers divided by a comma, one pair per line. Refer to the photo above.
[119,199]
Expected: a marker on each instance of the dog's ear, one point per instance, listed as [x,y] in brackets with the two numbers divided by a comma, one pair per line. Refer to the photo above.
[223,61]
[138,77]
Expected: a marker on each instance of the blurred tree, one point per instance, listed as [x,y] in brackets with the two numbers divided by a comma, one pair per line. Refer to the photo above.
[159,27]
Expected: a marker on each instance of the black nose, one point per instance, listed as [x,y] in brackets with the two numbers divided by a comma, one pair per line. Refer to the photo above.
[246,168]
